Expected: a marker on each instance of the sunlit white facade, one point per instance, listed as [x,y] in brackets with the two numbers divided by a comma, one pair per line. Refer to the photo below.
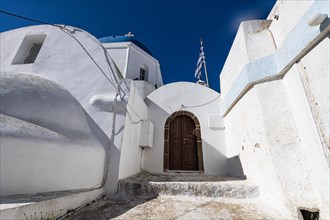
[78,114]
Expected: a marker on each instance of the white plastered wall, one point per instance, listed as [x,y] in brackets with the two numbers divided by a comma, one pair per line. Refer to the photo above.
[314,69]
[119,54]
[253,41]
[64,62]
[136,58]
[169,99]
[275,126]
[47,141]
[130,58]
[130,160]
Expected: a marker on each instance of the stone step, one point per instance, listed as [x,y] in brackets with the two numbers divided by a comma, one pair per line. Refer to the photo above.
[144,184]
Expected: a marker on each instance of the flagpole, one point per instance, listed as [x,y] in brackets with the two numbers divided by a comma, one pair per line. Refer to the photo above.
[207,79]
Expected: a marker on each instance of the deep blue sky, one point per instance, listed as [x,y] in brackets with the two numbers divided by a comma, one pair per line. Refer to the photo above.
[170,29]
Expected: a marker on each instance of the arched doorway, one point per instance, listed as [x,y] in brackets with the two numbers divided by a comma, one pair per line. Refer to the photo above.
[183,145]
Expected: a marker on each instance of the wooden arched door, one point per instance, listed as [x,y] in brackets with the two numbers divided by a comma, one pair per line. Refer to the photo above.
[183,144]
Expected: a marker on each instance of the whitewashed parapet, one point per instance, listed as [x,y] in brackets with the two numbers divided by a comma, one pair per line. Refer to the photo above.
[296,45]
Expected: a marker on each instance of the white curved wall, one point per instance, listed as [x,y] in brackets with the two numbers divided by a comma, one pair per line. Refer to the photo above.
[48,142]
[63,61]
[170,98]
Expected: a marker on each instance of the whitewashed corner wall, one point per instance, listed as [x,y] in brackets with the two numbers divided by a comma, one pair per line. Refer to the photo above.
[130,160]
[125,154]
[277,123]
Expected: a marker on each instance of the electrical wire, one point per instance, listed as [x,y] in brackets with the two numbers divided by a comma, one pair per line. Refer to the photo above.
[115,84]
[134,122]
[90,56]
[195,106]
[107,55]
[26,18]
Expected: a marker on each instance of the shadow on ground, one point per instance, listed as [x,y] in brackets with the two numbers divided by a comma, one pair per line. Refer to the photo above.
[108,207]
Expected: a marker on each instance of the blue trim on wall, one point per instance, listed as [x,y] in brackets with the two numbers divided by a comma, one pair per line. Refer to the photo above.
[275,66]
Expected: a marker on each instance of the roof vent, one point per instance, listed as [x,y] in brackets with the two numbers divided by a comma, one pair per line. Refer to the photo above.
[129,34]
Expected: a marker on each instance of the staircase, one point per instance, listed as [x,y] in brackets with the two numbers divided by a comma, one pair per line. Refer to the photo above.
[180,196]
[187,184]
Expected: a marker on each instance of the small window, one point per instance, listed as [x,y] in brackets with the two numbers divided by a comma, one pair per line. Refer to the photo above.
[143,73]
[29,49]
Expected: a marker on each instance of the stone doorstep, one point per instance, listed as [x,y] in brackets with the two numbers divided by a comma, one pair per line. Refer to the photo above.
[45,206]
[144,184]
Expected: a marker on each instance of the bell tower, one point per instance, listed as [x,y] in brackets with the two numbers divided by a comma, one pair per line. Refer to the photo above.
[133,59]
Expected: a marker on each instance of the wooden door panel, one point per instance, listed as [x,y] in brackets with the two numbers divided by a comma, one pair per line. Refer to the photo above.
[175,144]
[183,145]
[189,146]
[190,160]
[176,160]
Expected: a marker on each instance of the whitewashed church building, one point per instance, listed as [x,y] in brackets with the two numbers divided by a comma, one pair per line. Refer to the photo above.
[80,114]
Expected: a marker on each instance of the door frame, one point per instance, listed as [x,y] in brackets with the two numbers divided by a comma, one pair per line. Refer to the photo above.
[166,162]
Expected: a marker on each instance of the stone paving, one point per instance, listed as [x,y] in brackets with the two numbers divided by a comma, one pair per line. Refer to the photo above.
[174,207]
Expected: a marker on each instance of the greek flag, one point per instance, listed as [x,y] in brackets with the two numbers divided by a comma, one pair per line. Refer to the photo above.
[200,62]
